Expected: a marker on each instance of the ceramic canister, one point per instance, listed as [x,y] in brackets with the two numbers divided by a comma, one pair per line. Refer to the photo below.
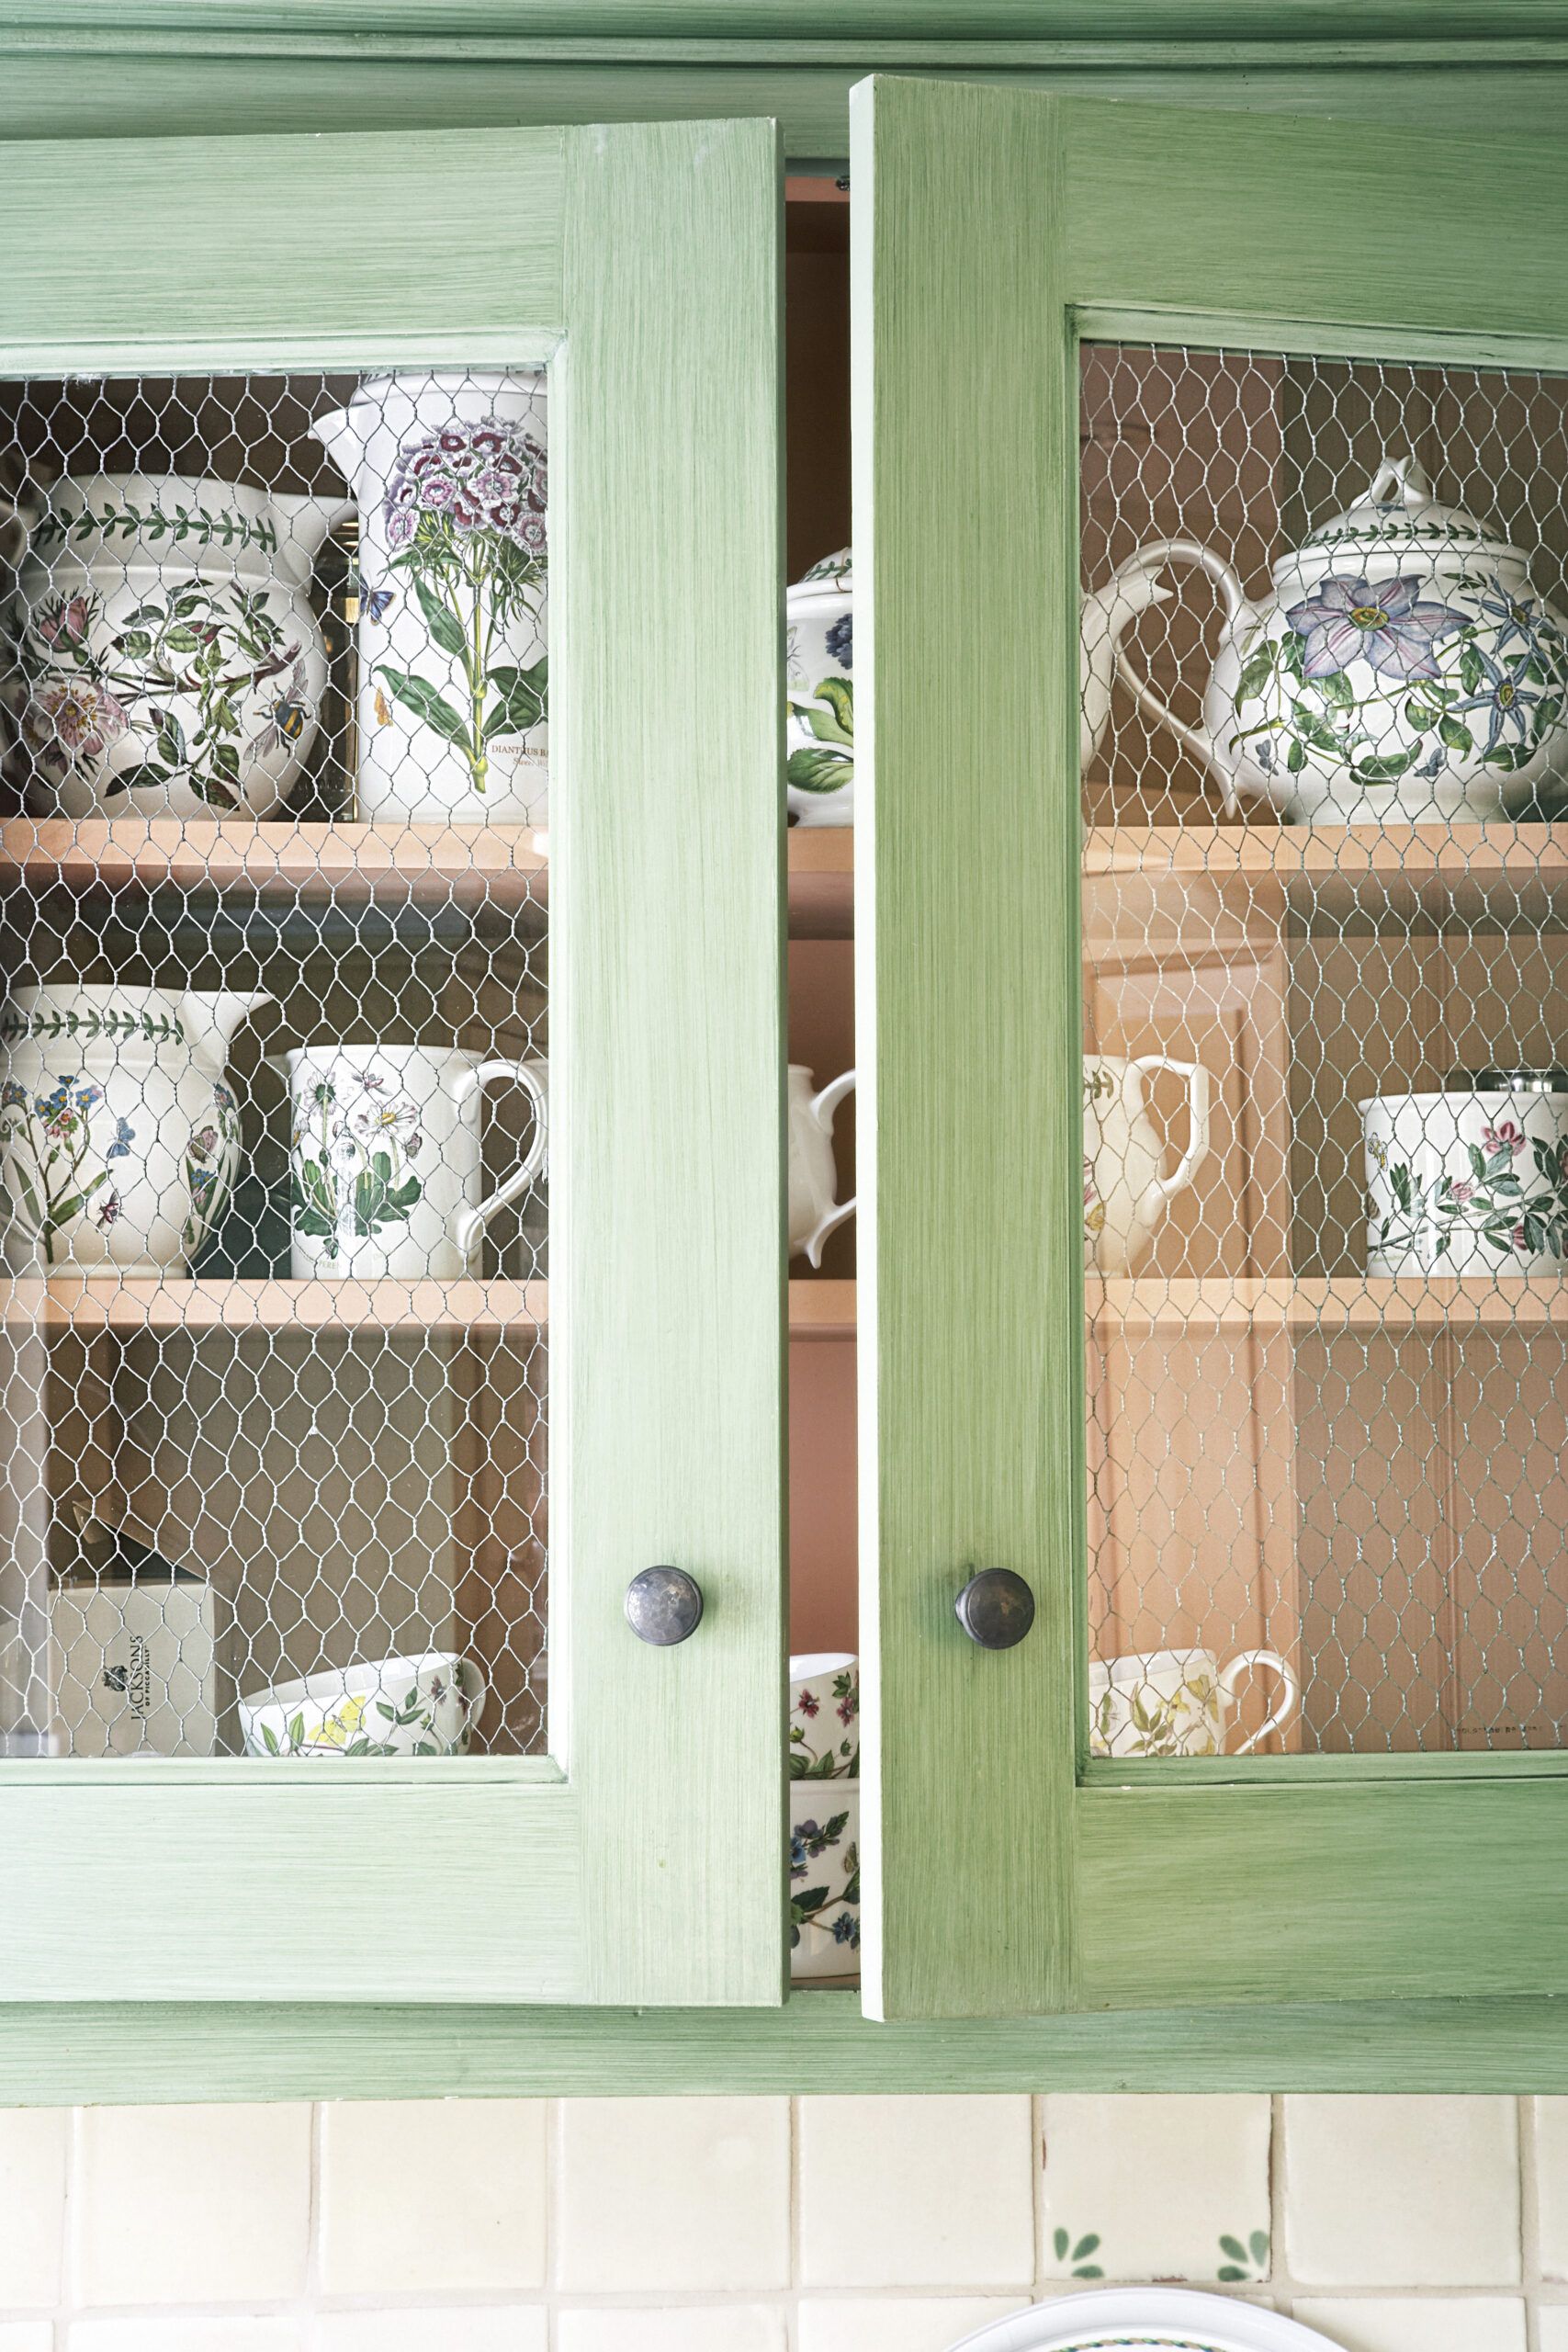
[824,1879]
[819,733]
[448,470]
[1471,1180]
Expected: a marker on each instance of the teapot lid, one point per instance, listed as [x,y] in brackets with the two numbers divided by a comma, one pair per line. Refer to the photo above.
[831,575]
[1397,510]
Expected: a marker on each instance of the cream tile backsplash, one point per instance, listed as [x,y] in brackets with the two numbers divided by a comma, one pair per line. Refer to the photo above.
[849,2225]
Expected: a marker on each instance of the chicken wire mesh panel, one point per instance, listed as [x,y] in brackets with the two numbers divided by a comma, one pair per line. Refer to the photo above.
[273,1066]
[1324,671]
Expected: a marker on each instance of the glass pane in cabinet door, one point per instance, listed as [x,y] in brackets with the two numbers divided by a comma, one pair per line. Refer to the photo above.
[1325,1054]
[274,1057]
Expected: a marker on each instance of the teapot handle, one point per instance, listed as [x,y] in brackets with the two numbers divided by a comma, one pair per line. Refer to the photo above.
[1165,1188]
[1227,580]
[469,1223]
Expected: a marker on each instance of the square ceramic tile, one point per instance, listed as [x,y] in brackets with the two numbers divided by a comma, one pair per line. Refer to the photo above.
[1155,2188]
[191,2204]
[26,2335]
[517,2327]
[917,2192]
[34,2145]
[899,2323]
[686,2194]
[732,2327]
[432,2194]
[194,2334]
[1552,2327]
[1416,2323]
[1402,2192]
[1551,2125]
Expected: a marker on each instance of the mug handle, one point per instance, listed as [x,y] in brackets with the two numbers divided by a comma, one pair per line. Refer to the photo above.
[822,1107]
[1166,1187]
[469,1223]
[1269,1662]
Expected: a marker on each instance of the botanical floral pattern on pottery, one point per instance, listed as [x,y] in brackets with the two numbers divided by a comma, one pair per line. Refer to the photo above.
[1377,680]
[202,677]
[361,1175]
[835,1755]
[362,1725]
[821,1849]
[57,1154]
[821,701]
[464,516]
[1515,1207]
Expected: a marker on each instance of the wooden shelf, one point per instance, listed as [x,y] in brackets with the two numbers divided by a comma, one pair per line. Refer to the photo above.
[1346,1303]
[1194,885]
[470,866]
[102,1303]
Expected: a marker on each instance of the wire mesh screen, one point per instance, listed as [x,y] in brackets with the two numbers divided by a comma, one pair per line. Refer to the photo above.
[273,1066]
[1325,670]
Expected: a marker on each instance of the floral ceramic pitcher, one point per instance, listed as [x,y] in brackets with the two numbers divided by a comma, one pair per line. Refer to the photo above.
[118,1138]
[449,473]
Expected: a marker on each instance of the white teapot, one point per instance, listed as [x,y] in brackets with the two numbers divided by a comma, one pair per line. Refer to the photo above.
[1125,1194]
[1400,666]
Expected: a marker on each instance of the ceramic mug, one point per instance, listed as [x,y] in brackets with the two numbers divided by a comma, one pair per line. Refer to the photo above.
[813,1213]
[824,1716]
[1473,1180]
[384,1159]
[824,1879]
[1125,1194]
[394,1706]
[1179,1703]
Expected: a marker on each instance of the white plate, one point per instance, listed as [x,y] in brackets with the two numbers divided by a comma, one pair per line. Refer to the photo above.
[1146,2319]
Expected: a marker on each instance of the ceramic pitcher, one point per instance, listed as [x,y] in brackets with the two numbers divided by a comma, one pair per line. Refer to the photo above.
[1400,664]
[118,1138]
[164,656]
[384,1163]
[449,474]
[1124,1192]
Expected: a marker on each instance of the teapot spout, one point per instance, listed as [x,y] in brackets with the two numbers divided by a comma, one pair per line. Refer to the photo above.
[210,1016]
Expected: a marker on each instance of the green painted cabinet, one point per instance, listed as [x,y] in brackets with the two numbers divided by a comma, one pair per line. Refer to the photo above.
[638,266]
[1335,1443]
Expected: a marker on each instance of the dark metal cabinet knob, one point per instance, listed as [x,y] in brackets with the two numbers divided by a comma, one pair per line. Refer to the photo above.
[664,1606]
[996,1608]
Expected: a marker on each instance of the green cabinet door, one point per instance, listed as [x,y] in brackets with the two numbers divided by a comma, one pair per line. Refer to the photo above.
[634,1853]
[1079,328]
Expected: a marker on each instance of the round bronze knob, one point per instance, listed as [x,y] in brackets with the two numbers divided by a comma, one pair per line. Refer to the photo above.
[664,1606]
[996,1608]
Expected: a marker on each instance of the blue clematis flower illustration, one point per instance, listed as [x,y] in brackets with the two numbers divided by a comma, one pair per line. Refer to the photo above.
[1514,616]
[841,640]
[1349,620]
[1505,696]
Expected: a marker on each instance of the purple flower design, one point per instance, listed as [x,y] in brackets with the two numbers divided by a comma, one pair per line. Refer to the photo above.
[1349,620]
[1505,696]
[1513,616]
[1506,1136]
[841,640]
[484,476]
